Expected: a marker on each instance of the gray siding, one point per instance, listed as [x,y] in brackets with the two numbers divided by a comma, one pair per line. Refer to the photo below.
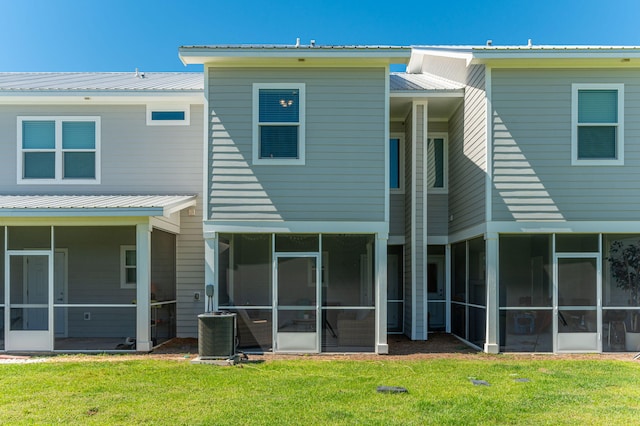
[467,155]
[396,214]
[342,179]
[437,214]
[136,158]
[533,177]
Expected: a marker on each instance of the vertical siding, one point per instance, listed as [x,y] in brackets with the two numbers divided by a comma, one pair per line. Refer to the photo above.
[345,145]
[533,176]
[467,155]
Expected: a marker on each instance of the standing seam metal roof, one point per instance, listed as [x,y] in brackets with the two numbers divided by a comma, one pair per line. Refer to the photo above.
[102,81]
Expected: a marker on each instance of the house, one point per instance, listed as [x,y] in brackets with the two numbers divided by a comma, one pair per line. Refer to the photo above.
[485,191]
[100,209]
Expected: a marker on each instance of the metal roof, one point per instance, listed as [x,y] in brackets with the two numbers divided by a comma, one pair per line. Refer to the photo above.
[102,81]
[93,205]
[293,46]
[400,82]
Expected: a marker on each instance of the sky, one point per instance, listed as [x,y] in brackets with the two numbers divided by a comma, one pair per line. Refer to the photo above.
[121,35]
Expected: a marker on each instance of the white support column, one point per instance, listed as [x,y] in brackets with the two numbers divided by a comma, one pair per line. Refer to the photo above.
[143,287]
[492,342]
[447,283]
[211,266]
[382,347]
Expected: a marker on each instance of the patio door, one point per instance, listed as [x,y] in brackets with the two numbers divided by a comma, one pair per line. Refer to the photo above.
[28,314]
[297,310]
[577,312]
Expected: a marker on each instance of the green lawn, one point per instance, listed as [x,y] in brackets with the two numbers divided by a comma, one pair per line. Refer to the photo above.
[312,391]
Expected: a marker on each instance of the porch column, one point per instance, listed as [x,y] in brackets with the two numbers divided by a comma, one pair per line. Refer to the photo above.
[492,341]
[143,287]
[210,267]
[382,347]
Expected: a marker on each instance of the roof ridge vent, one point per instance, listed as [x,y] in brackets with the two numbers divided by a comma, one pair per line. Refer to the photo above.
[139,74]
[298,42]
[529,43]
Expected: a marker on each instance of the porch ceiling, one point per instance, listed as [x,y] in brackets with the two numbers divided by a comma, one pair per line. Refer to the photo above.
[93,205]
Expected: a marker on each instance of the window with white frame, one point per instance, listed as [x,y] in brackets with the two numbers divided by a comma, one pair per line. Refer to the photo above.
[128,267]
[63,150]
[168,115]
[396,163]
[437,168]
[278,123]
[597,131]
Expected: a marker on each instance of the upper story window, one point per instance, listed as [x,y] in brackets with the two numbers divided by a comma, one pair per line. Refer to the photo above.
[597,131]
[168,115]
[58,150]
[396,164]
[437,167]
[278,123]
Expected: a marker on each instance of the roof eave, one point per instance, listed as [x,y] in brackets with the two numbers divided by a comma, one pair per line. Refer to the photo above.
[204,55]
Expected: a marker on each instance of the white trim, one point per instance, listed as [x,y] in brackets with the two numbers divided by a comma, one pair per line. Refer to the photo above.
[207,129]
[58,150]
[588,227]
[414,335]
[327,227]
[445,162]
[619,160]
[124,284]
[256,160]
[488,190]
[387,130]
[423,242]
[168,107]
[468,233]
[401,160]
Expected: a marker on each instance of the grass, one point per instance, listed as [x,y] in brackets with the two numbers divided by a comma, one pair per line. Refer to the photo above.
[311,391]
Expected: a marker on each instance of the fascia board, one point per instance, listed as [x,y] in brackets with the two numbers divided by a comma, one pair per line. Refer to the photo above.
[93,212]
[194,55]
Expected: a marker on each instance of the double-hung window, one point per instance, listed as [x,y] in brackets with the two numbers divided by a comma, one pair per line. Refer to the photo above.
[62,150]
[437,174]
[128,267]
[597,115]
[278,123]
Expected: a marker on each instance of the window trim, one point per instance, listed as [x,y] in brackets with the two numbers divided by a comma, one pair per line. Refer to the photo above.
[123,267]
[58,150]
[256,125]
[619,161]
[401,164]
[151,108]
[445,160]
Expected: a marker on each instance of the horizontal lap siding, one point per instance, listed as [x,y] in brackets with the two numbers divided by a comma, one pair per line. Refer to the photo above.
[396,214]
[135,158]
[343,178]
[437,213]
[532,174]
[467,155]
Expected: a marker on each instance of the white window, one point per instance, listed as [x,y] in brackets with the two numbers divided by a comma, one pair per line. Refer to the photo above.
[437,163]
[396,163]
[597,128]
[60,150]
[278,123]
[168,115]
[128,267]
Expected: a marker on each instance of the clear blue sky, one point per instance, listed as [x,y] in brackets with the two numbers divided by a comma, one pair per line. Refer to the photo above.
[120,35]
